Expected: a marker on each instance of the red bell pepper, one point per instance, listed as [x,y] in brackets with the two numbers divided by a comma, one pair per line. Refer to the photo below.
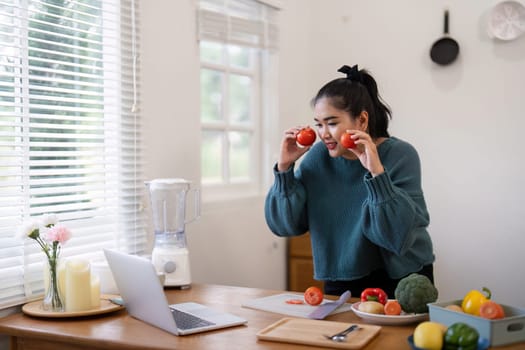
[374,294]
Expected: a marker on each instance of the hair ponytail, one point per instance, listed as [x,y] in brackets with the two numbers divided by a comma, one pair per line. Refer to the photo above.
[382,113]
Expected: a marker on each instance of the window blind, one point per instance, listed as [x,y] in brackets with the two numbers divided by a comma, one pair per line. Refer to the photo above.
[240,22]
[70,140]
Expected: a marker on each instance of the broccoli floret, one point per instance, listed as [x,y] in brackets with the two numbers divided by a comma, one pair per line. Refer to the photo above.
[414,292]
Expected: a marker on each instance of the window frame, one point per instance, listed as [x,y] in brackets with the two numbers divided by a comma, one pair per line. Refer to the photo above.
[255,24]
[230,188]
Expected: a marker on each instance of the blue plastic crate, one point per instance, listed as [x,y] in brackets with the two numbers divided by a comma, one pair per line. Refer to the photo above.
[510,329]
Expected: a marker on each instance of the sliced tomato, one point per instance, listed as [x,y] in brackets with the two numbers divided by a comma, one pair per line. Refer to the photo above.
[392,307]
[313,295]
[491,310]
[294,301]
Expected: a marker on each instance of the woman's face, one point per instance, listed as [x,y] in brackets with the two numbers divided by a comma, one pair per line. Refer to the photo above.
[331,123]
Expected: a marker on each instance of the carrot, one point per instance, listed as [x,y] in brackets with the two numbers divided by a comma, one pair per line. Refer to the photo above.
[491,310]
[392,307]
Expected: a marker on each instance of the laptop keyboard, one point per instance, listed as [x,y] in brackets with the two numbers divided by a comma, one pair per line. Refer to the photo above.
[188,321]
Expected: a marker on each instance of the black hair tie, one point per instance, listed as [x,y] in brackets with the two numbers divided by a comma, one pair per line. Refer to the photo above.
[352,73]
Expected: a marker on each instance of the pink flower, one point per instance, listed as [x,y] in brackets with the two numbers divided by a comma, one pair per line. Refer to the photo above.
[58,233]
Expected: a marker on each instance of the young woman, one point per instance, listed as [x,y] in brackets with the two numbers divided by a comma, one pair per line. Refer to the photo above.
[363,206]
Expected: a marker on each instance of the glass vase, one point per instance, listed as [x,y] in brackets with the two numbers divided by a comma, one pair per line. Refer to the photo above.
[52,298]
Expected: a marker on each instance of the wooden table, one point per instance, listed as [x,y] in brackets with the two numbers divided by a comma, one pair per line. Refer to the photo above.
[118,330]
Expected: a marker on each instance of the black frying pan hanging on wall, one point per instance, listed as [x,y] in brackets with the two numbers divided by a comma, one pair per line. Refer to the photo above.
[445,50]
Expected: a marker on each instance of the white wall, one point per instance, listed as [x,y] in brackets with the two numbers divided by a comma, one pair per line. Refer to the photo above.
[465,120]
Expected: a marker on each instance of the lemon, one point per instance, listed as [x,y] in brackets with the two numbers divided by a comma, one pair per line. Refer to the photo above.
[428,335]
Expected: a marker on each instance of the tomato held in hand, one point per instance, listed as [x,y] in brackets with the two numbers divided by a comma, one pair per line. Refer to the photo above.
[491,310]
[313,295]
[306,137]
[347,141]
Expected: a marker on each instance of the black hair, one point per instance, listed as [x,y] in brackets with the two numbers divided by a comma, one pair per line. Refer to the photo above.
[356,93]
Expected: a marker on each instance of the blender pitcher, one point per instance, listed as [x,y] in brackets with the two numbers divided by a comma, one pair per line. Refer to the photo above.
[168,205]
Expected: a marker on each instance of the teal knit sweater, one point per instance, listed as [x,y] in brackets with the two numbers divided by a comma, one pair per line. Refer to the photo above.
[357,223]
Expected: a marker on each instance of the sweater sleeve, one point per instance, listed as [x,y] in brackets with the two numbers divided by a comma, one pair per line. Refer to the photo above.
[395,211]
[285,205]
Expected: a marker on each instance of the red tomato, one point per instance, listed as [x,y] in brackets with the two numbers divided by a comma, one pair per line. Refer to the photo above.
[392,307]
[347,141]
[491,310]
[294,301]
[306,137]
[313,295]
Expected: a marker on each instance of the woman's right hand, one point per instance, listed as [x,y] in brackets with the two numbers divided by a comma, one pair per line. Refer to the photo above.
[290,151]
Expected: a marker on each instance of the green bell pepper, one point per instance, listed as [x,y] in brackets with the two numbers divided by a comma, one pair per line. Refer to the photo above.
[461,336]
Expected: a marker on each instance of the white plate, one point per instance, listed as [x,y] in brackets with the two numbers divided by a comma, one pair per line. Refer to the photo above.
[402,319]
[507,20]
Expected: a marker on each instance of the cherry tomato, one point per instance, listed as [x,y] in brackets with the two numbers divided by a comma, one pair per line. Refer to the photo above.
[392,307]
[347,141]
[294,301]
[491,310]
[313,295]
[306,137]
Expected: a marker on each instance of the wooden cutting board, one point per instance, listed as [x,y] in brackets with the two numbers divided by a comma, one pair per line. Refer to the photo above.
[310,332]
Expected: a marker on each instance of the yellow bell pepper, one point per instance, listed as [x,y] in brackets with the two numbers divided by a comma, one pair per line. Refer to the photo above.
[473,300]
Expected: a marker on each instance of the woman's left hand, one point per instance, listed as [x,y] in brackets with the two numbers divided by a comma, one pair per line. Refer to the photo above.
[366,151]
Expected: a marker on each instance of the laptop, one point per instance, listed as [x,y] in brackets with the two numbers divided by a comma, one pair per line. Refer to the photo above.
[144,299]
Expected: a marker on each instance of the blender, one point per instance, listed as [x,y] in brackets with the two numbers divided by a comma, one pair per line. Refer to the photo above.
[170,254]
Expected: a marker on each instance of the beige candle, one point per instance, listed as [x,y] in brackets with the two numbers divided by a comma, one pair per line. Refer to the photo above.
[62,280]
[78,285]
[95,292]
